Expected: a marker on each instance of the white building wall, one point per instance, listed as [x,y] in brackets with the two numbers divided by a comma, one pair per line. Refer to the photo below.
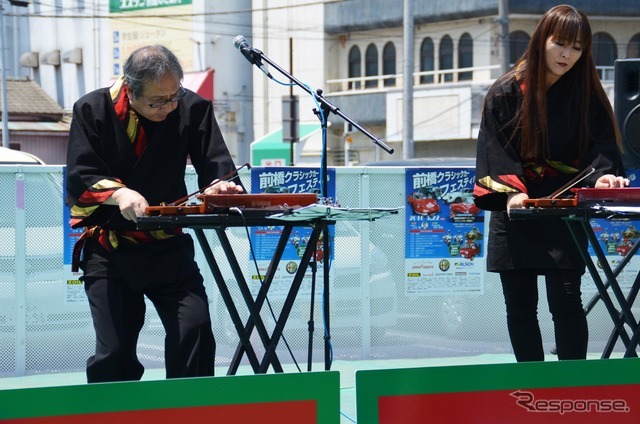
[273,27]
[67,29]
[88,28]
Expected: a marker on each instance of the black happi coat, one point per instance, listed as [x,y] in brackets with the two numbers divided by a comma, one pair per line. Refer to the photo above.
[100,149]
[536,245]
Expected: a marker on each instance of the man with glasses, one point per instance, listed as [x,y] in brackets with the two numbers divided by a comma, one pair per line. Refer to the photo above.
[128,147]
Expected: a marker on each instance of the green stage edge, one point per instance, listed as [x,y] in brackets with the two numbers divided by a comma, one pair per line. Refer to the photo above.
[323,388]
[373,384]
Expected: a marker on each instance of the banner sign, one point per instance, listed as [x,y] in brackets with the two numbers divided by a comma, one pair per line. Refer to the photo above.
[589,391]
[118,6]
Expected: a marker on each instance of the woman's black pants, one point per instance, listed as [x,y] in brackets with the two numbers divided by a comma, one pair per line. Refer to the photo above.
[563,295]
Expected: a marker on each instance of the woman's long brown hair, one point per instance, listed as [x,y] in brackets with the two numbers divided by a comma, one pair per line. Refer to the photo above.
[566,23]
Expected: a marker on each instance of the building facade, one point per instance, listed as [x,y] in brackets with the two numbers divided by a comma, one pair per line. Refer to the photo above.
[75,46]
[352,51]
[456,55]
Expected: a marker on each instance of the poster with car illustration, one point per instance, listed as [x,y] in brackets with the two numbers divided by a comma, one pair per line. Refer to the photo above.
[264,239]
[444,246]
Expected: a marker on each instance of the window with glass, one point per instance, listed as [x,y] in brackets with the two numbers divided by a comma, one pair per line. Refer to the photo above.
[633,48]
[518,42]
[605,52]
[355,67]
[426,60]
[371,65]
[465,56]
[446,57]
[389,63]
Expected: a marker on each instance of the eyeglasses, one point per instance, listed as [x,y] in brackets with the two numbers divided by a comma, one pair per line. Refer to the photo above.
[160,103]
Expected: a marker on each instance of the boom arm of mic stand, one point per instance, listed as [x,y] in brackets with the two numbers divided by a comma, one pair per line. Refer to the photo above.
[326,105]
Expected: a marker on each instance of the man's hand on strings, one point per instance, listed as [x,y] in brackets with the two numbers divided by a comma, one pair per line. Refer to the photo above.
[131,203]
[611,181]
[224,187]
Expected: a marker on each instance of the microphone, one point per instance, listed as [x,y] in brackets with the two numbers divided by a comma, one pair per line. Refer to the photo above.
[252,55]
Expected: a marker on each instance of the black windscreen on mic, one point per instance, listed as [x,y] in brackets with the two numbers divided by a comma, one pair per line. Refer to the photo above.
[241,44]
[252,55]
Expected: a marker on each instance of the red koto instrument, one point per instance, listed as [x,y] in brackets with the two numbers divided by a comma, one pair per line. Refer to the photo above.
[553,201]
[608,196]
[564,202]
[173,210]
[180,206]
[216,203]
[629,196]
[221,203]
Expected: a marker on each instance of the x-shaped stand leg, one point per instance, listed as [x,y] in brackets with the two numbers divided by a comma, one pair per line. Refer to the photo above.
[619,317]
[256,306]
[226,297]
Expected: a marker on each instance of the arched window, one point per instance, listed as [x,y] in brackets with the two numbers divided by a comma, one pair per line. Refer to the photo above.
[605,51]
[446,56]
[633,49]
[518,42]
[389,63]
[426,60]
[371,65]
[465,56]
[355,66]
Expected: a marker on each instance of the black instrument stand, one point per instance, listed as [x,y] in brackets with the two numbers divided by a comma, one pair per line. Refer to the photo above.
[198,223]
[619,317]
[578,223]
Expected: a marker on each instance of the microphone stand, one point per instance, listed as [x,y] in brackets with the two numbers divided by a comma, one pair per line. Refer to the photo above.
[327,108]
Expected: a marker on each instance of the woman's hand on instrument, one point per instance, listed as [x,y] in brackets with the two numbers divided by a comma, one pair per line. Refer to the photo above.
[514,201]
[131,203]
[611,181]
[224,187]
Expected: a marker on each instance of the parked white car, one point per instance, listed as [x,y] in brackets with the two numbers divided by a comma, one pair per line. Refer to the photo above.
[17,157]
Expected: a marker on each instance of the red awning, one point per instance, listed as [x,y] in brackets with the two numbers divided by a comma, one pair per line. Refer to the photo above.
[200,82]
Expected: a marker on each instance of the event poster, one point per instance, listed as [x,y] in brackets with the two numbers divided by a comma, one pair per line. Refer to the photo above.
[616,236]
[445,238]
[264,239]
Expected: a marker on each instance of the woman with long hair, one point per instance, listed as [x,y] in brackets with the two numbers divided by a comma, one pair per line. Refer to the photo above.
[543,122]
